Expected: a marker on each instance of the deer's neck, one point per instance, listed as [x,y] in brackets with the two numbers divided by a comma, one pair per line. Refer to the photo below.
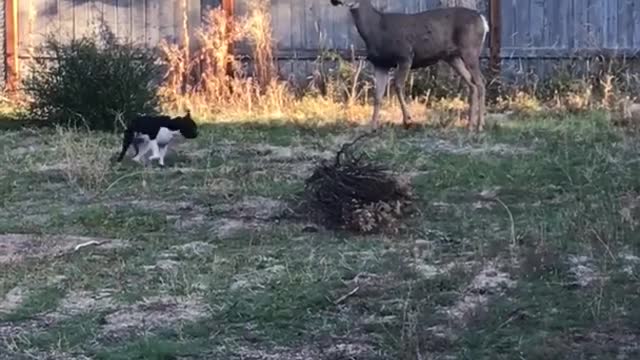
[367,20]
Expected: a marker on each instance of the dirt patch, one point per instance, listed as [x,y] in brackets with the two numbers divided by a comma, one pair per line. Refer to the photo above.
[19,247]
[244,214]
[253,207]
[259,207]
[83,302]
[256,279]
[14,335]
[289,153]
[194,249]
[247,215]
[185,215]
[166,265]
[584,270]
[630,262]
[56,167]
[74,303]
[154,313]
[339,349]
[226,228]
[169,261]
[616,336]
[630,208]
[187,223]
[49,355]
[488,282]
[461,148]
[12,300]
[25,150]
[170,207]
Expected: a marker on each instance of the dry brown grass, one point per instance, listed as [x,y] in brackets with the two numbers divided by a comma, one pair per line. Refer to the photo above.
[84,162]
[214,84]
[338,91]
[217,86]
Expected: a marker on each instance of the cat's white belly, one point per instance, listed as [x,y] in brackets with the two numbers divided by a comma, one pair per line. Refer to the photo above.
[158,147]
[165,135]
[163,138]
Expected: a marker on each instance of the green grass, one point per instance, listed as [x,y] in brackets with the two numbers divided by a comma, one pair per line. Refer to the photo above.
[558,187]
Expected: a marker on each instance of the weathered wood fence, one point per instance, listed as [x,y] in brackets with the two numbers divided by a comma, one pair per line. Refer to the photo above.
[530,31]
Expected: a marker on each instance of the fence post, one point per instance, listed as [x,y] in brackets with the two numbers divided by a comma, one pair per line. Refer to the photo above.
[11,44]
[495,26]
[228,8]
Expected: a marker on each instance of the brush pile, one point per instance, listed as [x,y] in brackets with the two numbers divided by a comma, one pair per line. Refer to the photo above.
[353,193]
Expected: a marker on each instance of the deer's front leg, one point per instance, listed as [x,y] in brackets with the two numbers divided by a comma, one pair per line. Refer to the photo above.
[399,80]
[381,80]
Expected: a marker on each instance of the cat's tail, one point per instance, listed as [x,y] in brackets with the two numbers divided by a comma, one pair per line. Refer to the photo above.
[126,142]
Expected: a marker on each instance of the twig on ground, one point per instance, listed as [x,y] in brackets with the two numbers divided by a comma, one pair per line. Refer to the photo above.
[511,221]
[346,296]
[346,146]
[88,243]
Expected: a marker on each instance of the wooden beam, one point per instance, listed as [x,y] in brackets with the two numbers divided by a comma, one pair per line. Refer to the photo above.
[11,45]
[495,41]
[551,54]
[508,54]
[228,8]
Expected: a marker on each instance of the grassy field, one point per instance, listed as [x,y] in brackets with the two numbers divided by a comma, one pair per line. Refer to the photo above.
[525,246]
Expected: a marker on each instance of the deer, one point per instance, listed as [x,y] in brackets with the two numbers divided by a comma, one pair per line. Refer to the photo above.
[454,35]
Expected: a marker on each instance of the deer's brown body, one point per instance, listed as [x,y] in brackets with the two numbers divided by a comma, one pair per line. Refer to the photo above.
[454,35]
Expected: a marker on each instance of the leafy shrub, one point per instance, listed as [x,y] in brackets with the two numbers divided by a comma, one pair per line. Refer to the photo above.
[93,81]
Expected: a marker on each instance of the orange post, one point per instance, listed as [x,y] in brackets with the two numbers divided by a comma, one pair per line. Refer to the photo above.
[11,44]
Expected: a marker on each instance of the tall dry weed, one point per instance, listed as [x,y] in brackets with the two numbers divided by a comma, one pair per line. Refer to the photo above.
[257,30]
[212,82]
[84,161]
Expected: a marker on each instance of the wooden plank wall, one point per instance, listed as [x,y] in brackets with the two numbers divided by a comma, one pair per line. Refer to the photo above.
[533,31]
[536,35]
[145,21]
[531,28]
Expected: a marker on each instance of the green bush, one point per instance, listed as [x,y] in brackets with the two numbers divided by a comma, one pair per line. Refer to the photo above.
[96,81]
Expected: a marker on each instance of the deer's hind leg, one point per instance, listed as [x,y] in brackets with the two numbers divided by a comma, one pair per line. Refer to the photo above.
[461,68]
[472,61]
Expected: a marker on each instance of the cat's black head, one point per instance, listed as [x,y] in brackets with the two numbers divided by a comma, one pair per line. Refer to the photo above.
[188,127]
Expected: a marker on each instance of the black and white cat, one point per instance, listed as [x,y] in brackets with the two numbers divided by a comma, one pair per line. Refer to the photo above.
[155,132]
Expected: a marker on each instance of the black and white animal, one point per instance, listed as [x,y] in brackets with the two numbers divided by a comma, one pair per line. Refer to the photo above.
[154,133]
[454,35]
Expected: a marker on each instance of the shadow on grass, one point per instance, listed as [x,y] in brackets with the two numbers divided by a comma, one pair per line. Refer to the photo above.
[15,122]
